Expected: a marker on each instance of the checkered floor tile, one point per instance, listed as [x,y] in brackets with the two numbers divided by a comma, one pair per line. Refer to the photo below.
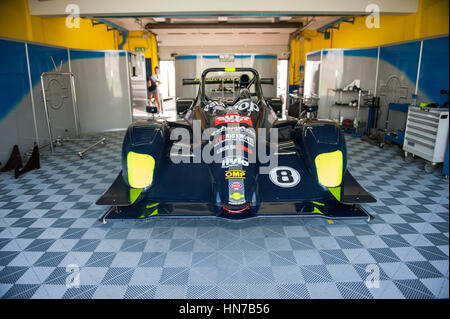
[50,238]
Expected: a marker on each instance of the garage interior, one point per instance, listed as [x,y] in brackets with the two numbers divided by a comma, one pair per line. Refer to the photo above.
[73,77]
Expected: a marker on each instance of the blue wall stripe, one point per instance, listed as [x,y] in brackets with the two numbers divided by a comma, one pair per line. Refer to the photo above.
[82,54]
[186,57]
[311,55]
[13,75]
[404,57]
[363,53]
[239,56]
[434,69]
[265,56]
[41,60]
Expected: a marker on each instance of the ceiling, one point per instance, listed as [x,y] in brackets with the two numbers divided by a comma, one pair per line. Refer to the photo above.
[223,34]
[223,22]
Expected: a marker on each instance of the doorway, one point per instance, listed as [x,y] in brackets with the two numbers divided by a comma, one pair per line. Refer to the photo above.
[282,68]
[167,72]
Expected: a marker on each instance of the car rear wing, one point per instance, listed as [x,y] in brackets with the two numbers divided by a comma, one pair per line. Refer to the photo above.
[195,81]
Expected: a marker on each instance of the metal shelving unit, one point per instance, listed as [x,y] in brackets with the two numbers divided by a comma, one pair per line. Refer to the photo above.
[361,94]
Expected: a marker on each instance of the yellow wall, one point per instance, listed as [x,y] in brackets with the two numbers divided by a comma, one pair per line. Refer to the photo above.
[135,40]
[431,19]
[17,23]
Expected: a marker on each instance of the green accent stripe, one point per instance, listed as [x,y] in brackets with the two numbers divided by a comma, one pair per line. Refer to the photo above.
[152,205]
[134,194]
[336,191]
[318,203]
[317,211]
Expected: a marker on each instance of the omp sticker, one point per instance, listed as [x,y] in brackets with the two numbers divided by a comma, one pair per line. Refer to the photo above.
[284,176]
[215,105]
[236,186]
[244,105]
[235,173]
[233,118]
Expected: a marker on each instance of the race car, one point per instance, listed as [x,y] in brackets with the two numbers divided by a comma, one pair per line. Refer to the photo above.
[231,156]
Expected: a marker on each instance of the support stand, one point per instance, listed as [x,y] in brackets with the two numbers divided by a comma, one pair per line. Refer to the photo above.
[14,161]
[33,163]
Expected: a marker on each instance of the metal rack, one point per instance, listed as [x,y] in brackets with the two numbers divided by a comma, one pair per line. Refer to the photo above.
[361,94]
[59,140]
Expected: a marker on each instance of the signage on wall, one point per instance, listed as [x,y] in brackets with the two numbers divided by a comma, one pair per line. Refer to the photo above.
[139,49]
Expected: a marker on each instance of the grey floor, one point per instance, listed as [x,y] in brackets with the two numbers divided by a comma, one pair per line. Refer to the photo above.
[49,229]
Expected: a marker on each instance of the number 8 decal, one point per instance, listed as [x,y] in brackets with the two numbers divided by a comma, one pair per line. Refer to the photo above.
[284,176]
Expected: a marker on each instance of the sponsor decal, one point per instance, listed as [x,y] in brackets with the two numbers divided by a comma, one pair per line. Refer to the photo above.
[236,186]
[229,161]
[233,118]
[215,106]
[235,173]
[284,176]
[232,147]
[244,148]
[244,105]
[234,137]
[236,196]
[235,130]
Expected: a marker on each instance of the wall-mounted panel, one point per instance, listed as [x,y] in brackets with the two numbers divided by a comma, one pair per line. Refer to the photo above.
[59,97]
[397,75]
[103,89]
[434,71]
[339,69]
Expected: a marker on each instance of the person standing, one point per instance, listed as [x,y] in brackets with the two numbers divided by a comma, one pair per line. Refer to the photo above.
[156,92]
[151,88]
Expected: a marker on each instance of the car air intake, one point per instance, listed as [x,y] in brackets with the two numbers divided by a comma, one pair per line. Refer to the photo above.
[144,135]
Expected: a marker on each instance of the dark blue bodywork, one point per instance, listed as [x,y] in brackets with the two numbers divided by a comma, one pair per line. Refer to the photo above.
[203,189]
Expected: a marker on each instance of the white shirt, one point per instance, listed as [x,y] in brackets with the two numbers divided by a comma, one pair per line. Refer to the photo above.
[155,77]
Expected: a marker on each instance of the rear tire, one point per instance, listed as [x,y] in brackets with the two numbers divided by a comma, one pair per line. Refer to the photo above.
[429,168]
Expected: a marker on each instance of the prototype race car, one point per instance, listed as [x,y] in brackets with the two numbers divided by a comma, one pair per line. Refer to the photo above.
[231,156]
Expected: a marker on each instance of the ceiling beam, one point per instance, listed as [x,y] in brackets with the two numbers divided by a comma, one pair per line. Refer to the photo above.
[228,25]
[177,8]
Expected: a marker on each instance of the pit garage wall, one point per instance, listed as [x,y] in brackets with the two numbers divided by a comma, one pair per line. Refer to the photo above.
[103,89]
[192,66]
[102,84]
[398,70]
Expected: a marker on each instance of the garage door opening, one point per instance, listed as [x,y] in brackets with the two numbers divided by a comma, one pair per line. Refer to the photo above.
[167,71]
[282,79]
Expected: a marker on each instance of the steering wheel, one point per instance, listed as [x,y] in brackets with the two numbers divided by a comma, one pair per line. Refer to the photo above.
[244,79]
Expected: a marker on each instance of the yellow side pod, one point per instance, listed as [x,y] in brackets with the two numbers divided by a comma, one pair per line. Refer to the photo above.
[329,168]
[140,169]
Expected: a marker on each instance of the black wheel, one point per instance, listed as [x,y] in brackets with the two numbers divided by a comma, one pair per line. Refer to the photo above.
[429,168]
[409,158]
